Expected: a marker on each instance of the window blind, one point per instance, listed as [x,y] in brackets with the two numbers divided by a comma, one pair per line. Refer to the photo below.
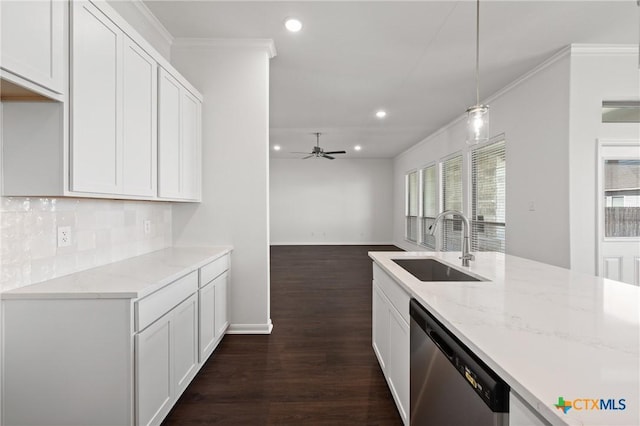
[488,197]
[411,231]
[429,205]
[452,200]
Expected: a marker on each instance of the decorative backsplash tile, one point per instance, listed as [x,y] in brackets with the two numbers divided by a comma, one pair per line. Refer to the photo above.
[102,231]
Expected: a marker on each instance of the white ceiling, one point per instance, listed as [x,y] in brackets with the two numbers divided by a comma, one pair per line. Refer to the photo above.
[414,59]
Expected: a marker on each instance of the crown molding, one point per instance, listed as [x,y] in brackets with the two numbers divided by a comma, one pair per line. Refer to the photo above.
[603,49]
[153,21]
[265,44]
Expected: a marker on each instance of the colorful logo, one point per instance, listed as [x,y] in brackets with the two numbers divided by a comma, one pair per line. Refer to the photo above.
[563,405]
[591,404]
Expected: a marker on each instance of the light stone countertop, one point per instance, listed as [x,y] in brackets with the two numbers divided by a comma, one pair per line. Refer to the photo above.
[547,331]
[131,278]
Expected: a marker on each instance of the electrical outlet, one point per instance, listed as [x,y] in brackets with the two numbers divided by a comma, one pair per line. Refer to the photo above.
[64,236]
[147,227]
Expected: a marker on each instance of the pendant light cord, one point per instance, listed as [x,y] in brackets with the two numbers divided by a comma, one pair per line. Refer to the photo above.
[478,52]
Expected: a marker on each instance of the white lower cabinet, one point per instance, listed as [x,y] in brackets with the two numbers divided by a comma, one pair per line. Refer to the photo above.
[390,339]
[153,372]
[213,314]
[101,361]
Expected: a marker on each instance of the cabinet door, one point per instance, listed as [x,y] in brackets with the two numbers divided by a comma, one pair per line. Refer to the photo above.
[184,331]
[191,159]
[207,307]
[96,117]
[221,319]
[33,41]
[153,372]
[398,362]
[169,146]
[380,325]
[139,117]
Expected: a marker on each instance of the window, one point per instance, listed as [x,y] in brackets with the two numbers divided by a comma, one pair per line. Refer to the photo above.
[429,204]
[452,200]
[488,195]
[622,198]
[411,231]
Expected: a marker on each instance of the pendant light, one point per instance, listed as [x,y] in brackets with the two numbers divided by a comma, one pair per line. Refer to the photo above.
[478,114]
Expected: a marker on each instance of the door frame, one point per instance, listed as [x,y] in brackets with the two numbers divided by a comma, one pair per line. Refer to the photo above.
[606,144]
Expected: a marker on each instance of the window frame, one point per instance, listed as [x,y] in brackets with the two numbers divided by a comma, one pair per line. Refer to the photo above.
[407,197]
[440,237]
[422,217]
[470,194]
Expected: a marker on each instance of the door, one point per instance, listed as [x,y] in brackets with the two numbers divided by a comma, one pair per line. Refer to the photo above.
[190,108]
[96,94]
[140,89]
[619,211]
[153,372]
[207,309]
[169,145]
[33,41]
[221,319]
[398,361]
[184,332]
[380,326]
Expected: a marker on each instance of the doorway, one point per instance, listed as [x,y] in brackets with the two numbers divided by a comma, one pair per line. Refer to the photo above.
[618,240]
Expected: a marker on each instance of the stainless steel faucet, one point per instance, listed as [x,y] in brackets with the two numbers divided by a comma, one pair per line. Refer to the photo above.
[466,233]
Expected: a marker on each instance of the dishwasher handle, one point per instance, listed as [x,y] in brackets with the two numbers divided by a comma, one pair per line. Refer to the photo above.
[440,343]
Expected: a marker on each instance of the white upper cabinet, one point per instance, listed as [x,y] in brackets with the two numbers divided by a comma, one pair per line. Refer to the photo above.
[33,37]
[96,101]
[170,164]
[178,140]
[139,121]
[114,109]
[100,139]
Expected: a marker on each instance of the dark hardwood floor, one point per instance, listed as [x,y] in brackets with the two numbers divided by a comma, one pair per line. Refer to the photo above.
[316,368]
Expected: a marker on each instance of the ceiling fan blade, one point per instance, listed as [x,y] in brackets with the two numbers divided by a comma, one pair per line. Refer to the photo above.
[328,156]
[298,152]
[308,156]
[336,152]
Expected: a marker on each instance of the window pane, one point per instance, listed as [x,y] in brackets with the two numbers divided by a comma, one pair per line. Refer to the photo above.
[412,194]
[488,197]
[452,200]
[411,230]
[429,205]
[622,198]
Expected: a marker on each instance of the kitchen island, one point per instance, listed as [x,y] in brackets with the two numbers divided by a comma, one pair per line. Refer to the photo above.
[549,332]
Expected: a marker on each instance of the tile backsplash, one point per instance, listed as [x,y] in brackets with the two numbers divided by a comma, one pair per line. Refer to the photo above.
[102,231]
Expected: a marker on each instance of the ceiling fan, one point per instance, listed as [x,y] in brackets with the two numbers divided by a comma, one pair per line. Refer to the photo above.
[319,152]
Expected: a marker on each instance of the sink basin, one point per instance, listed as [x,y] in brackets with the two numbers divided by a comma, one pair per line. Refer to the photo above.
[432,270]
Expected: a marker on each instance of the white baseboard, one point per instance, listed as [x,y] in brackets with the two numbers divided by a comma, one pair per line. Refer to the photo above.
[250,328]
[337,243]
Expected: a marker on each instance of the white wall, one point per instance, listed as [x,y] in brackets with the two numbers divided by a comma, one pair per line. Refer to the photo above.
[596,75]
[533,115]
[344,201]
[235,180]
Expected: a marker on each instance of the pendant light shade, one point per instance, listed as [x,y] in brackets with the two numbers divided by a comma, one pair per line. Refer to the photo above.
[477,124]
[477,115]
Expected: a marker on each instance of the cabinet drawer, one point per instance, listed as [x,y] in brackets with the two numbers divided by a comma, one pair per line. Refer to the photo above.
[212,270]
[162,301]
[396,294]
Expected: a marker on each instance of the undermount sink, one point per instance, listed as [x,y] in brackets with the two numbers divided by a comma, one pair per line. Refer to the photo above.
[432,270]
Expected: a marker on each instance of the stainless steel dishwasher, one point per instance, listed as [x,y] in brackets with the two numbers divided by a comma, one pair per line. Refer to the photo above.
[449,384]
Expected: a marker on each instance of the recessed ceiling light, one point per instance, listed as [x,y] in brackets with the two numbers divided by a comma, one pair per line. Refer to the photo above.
[381,114]
[357,147]
[293,25]
[276,147]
